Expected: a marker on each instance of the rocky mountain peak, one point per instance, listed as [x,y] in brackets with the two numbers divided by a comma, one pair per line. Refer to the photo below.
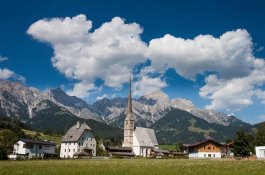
[71,101]
[183,104]
[156,96]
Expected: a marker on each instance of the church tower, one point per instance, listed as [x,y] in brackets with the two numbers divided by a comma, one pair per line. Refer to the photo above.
[129,122]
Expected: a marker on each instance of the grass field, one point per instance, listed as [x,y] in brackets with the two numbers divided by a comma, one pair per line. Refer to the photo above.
[168,147]
[134,166]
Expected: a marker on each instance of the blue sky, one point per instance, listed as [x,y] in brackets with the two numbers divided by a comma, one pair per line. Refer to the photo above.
[208,51]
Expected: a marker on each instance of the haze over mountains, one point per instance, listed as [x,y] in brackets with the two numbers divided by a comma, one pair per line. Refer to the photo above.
[176,120]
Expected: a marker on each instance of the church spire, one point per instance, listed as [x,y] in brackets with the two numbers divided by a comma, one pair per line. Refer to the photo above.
[129,121]
[130,97]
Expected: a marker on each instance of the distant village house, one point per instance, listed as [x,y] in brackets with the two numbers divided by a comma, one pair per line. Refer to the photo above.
[30,148]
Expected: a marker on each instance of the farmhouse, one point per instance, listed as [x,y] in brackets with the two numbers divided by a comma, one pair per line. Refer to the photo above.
[203,149]
[260,152]
[79,141]
[141,140]
[30,148]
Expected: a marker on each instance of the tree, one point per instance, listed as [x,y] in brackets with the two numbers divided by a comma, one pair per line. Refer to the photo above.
[179,147]
[260,138]
[244,144]
[7,140]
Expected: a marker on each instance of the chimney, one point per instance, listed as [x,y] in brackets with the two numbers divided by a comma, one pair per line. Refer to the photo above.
[78,125]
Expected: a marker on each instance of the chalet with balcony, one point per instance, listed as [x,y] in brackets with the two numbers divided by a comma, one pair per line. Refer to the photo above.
[203,149]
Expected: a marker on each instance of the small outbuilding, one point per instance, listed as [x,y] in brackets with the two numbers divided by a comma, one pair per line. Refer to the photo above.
[120,151]
[260,152]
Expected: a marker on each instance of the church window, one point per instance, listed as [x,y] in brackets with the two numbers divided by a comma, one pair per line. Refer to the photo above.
[131,123]
[126,123]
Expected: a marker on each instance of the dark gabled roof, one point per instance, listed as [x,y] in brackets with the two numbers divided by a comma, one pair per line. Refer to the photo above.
[74,133]
[123,153]
[161,151]
[40,142]
[117,149]
[201,142]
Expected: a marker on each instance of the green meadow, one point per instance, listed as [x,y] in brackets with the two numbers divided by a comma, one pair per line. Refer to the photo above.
[132,166]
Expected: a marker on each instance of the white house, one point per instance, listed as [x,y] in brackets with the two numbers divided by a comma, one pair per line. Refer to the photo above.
[260,152]
[144,141]
[78,141]
[30,148]
[141,140]
[203,149]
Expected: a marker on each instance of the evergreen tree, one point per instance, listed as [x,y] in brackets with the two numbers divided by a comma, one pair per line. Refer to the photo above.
[244,144]
[7,140]
[260,138]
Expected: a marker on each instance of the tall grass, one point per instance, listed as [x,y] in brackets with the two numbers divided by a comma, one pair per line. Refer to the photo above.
[134,166]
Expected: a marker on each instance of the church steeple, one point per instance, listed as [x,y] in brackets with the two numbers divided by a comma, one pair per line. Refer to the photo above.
[129,121]
[129,110]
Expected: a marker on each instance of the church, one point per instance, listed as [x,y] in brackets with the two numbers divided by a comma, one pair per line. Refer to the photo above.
[142,140]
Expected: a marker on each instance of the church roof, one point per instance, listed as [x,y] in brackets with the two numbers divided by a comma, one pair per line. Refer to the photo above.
[75,132]
[146,137]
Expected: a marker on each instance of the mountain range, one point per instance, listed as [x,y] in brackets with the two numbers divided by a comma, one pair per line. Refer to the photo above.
[176,120]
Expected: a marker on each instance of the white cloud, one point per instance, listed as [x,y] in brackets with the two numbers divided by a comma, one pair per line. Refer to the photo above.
[101,97]
[3,58]
[9,74]
[236,93]
[110,52]
[260,94]
[81,89]
[233,75]
[146,83]
[204,53]
[6,73]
